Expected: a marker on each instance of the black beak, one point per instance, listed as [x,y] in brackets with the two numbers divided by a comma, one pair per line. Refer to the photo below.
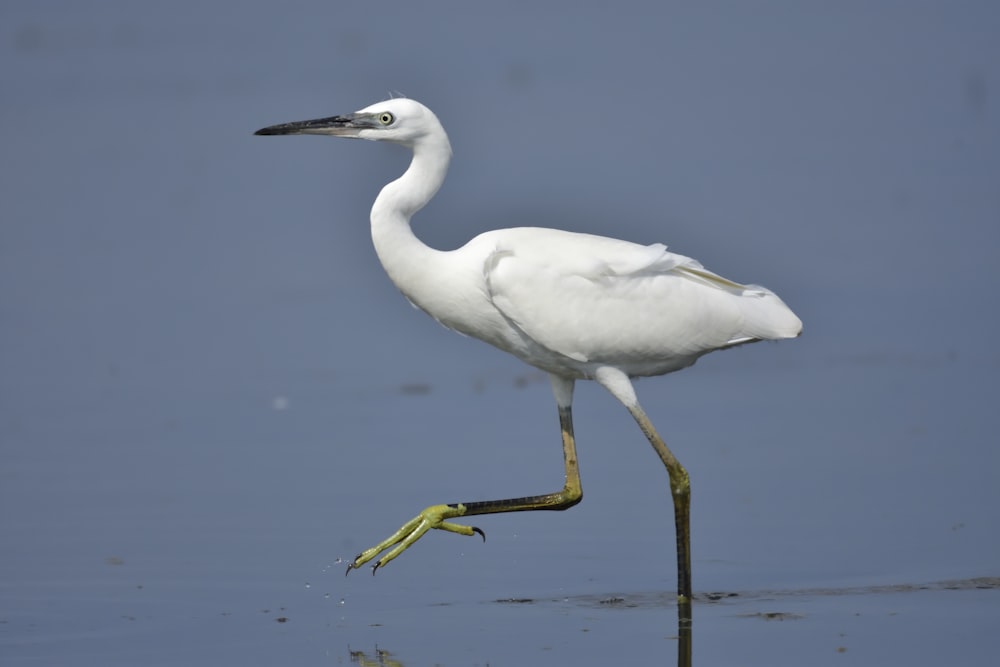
[335,125]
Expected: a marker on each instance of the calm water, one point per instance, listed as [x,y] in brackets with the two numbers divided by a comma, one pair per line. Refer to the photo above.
[210,394]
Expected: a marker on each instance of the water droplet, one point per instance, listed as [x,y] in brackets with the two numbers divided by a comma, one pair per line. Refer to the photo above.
[308,585]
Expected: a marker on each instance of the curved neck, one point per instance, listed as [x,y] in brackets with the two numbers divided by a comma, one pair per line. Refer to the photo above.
[419,183]
[404,257]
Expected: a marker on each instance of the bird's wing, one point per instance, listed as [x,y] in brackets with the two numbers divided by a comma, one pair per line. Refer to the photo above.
[601,300]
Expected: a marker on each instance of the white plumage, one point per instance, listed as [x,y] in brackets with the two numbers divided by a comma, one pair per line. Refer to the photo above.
[576,305]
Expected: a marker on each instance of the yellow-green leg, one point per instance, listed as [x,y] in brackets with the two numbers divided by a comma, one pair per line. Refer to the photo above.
[438,516]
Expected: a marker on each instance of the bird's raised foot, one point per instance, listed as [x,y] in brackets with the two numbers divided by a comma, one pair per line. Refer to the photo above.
[434,517]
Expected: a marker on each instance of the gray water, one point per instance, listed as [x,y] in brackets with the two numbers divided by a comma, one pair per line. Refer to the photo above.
[211,397]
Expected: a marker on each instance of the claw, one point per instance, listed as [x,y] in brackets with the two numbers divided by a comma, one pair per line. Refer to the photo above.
[351,565]
[375,567]
[481,533]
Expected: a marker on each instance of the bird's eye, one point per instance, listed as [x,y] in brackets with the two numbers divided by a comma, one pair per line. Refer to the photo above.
[386,118]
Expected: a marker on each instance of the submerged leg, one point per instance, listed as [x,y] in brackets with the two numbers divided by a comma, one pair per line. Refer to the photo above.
[437,516]
[620,386]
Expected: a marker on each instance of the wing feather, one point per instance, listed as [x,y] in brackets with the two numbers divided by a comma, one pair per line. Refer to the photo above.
[599,300]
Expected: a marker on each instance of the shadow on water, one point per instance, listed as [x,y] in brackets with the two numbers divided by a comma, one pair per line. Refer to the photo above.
[381,657]
[378,658]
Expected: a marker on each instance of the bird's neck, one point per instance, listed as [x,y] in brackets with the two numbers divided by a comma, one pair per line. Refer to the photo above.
[406,259]
[419,183]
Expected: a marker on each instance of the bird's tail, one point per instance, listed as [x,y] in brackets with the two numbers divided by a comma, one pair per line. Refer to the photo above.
[765,315]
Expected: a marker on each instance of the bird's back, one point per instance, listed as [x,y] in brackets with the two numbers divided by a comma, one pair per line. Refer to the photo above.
[577,301]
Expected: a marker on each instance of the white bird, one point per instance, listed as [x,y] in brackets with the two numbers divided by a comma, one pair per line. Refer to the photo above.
[578,306]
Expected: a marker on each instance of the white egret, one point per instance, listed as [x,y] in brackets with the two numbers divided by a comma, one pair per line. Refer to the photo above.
[577,306]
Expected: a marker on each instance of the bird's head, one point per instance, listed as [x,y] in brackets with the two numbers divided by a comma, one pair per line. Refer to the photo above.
[401,121]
